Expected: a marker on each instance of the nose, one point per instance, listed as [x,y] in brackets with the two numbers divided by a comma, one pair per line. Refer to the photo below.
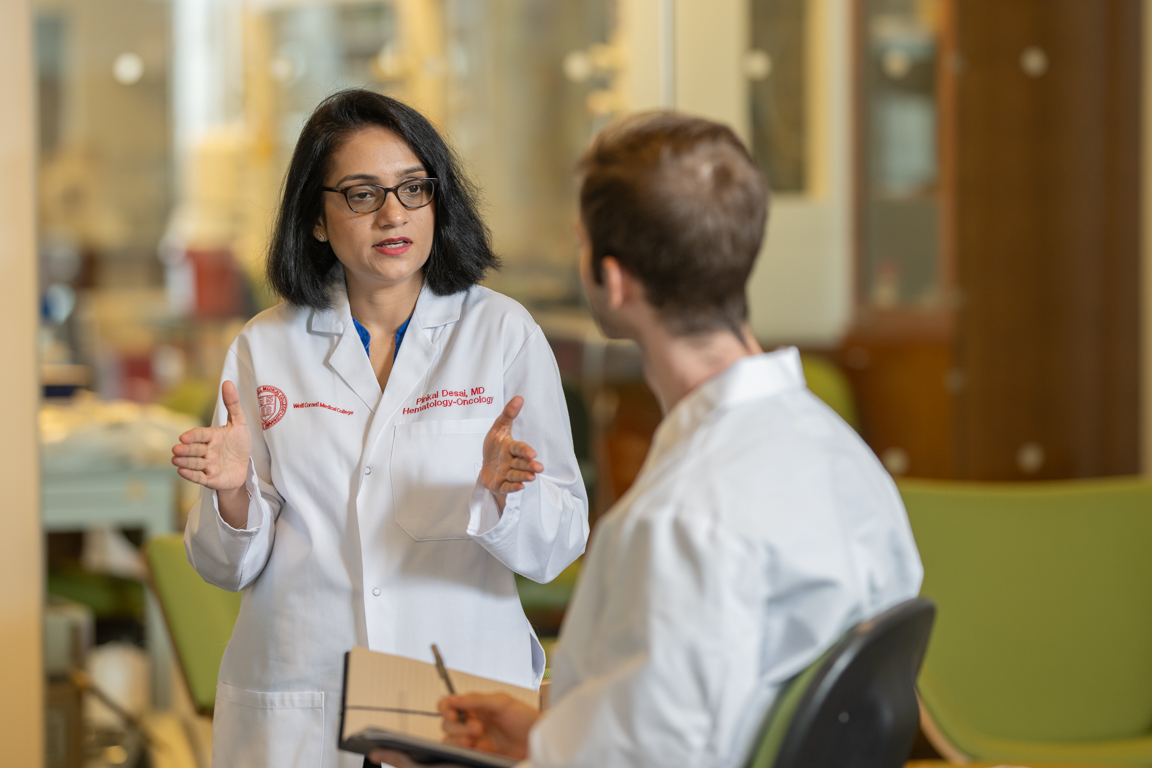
[391,212]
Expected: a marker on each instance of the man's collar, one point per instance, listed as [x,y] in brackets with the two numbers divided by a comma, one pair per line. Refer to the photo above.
[750,378]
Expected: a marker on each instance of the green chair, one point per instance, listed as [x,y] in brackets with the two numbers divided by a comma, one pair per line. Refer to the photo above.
[1042,650]
[829,383]
[199,616]
[545,604]
[855,706]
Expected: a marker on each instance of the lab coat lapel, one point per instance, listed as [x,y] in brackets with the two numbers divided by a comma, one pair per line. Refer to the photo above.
[417,354]
[411,366]
[347,359]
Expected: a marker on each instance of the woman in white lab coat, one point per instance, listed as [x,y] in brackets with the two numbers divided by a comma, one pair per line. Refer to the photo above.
[390,445]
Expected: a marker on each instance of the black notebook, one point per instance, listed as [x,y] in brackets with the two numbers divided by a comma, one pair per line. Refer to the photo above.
[390,703]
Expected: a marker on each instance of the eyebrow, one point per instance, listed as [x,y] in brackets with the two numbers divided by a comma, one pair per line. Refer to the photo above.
[371,178]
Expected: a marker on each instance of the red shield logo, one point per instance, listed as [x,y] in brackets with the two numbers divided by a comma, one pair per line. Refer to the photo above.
[273,405]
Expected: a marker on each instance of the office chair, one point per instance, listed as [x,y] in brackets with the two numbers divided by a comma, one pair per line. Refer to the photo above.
[854,707]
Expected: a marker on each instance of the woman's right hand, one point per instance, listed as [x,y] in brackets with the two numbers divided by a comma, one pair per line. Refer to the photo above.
[217,457]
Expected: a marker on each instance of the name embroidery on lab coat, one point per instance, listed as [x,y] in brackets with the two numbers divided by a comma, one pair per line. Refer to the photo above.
[273,405]
[446,398]
[318,404]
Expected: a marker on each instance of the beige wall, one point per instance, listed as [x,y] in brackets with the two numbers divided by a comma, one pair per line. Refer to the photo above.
[801,289]
[21,707]
[710,40]
[640,37]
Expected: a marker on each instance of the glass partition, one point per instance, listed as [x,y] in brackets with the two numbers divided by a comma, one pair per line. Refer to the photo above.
[162,153]
[518,86]
[900,190]
[777,70]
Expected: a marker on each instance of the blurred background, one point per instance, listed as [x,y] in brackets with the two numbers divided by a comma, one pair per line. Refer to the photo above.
[955,246]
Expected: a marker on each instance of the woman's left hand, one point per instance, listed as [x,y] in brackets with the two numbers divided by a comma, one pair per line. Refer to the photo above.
[508,464]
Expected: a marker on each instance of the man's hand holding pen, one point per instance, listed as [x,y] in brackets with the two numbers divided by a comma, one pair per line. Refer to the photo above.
[492,722]
[489,722]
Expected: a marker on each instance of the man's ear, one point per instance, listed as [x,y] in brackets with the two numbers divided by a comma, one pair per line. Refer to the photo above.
[620,287]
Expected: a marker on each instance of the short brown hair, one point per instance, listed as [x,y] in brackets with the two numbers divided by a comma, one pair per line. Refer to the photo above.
[681,204]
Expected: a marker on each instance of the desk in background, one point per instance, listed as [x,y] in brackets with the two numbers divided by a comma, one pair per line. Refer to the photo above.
[122,498]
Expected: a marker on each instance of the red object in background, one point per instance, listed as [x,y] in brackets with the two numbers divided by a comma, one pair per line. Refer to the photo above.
[138,367]
[136,379]
[218,284]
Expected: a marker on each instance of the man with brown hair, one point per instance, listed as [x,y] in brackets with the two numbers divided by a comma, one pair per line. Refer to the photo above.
[760,527]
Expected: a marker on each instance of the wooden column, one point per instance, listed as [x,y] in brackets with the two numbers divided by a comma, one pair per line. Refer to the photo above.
[21,570]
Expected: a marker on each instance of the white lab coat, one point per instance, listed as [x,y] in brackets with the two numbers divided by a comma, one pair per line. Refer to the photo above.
[367,525]
[759,530]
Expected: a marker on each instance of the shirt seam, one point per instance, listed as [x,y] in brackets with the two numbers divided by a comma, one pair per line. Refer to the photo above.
[520,351]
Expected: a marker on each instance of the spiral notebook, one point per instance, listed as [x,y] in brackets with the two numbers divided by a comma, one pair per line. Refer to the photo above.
[390,703]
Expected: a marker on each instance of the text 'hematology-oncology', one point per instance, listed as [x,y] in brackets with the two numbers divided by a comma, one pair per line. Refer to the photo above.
[446,398]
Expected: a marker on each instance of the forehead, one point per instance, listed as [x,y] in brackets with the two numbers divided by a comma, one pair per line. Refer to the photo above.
[374,151]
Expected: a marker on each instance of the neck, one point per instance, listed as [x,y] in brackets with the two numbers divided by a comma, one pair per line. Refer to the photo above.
[676,365]
[383,307]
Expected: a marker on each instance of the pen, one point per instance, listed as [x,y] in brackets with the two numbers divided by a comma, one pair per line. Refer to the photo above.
[447,680]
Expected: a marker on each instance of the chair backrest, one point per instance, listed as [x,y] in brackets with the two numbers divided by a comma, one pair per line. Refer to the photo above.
[855,707]
[199,616]
[1045,601]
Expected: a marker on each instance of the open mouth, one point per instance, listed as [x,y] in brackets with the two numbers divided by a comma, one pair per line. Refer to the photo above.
[393,246]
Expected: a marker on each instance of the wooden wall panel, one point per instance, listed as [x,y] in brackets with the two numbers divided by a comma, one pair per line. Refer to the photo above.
[904,392]
[1048,238]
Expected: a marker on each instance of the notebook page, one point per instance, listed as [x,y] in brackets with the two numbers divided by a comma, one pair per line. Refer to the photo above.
[410,689]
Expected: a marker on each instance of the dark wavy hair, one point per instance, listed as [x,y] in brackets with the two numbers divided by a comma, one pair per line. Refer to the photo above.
[300,267]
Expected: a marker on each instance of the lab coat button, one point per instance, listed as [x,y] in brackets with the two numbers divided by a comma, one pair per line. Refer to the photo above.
[376,591]
[367,470]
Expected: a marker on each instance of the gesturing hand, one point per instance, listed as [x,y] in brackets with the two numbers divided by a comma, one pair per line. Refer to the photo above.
[495,722]
[508,463]
[217,457]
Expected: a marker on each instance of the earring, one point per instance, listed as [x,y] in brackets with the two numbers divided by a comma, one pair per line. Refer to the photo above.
[321,237]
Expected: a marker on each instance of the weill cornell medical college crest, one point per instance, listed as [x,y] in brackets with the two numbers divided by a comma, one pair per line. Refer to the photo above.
[273,405]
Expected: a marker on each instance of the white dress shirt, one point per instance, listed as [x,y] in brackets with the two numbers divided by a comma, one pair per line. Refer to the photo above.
[759,530]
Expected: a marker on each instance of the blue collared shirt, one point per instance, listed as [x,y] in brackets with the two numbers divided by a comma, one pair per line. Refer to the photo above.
[366,338]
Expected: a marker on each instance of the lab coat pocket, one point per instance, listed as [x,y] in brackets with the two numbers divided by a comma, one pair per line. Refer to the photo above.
[253,728]
[433,473]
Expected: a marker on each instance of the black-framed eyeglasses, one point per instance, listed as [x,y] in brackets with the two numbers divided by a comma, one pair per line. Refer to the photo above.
[368,198]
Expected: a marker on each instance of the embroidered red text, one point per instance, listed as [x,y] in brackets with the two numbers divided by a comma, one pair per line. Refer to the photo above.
[446,398]
[318,404]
